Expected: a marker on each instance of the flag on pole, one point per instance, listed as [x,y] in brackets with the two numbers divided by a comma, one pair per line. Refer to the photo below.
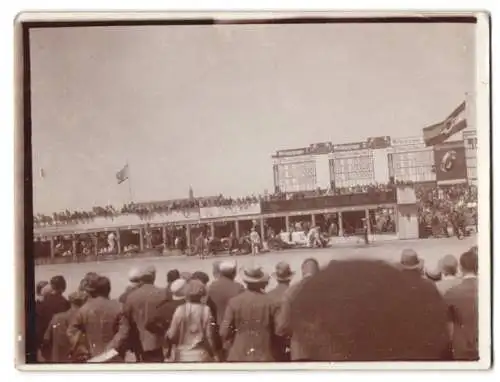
[122,175]
[441,131]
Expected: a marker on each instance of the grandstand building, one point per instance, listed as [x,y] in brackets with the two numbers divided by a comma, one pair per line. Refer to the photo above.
[379,160]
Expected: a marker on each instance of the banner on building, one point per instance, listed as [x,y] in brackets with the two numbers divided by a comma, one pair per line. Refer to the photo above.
[450,162]
[321,148]
[350,146]
[292,152]
[376,143]
[230,211]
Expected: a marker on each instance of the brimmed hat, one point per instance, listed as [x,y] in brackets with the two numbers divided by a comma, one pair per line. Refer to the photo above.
[134,275]
[227,267]
[178,288]
[410,260]
[254,275]
[283,272]
[195,288]
[91,282]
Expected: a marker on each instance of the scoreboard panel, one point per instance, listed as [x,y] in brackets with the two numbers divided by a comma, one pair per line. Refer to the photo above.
[297,176]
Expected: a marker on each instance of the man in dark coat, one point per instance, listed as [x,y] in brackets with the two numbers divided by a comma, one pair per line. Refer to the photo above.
[56,342]
[52,303]
[283,275]
[99,321]
[309,268]
[462,301]
[219,293]
[139,306]
[366,310]
[249,321]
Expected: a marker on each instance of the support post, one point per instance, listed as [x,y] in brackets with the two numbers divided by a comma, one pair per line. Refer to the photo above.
[96,244]
[118,241]
[74,246]
[188,238]
[262,229]
[212,229]
[313,220]
[164,236]
[141,239]
[340,224]
[237,228]
[287,223]
[368,225]
[52,248]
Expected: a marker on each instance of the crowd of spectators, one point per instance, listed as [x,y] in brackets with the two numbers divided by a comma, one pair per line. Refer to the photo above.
[431,201]
[247,321]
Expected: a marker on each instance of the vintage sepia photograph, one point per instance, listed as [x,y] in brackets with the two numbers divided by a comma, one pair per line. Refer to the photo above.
[253,190]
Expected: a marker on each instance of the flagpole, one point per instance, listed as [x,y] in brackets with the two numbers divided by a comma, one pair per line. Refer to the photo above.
[129,181]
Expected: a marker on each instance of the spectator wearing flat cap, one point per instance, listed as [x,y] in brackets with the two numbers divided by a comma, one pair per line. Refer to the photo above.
[371,312]
[449,270]
[462,301]
[56,343]
[309,268]
[191,329]
[53,302]
[410,263]
[249,320]
[134,282]
[139,308]
[219,293]
[99,321]
[283,275]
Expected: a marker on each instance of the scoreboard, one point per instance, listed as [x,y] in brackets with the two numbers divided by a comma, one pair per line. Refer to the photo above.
[296,176]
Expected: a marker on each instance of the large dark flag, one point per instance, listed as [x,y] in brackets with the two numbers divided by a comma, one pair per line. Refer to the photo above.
[441,131]
[122,175]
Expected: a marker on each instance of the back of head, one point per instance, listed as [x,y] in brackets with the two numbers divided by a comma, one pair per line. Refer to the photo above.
[201,276]
[103,286]
[469,262]
[449,265]
[88,276]
[58,284]
[77,298]
[309,267]
[173,275]
[363,310]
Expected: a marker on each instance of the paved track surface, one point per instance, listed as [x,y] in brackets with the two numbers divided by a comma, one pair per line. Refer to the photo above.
[431,250]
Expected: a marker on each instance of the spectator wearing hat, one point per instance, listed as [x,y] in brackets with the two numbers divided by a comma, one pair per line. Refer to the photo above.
[192,327]
[53,302]
[219,293]
[449,270]
[358,310]
[99,321]
[462,301]
[255,240]
[249,320]
[134,282]
[309,268]
[283,275]
[410,263]
[139,309]
[56,343]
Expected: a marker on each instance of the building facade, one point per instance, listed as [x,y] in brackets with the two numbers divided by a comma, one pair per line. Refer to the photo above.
[377,160]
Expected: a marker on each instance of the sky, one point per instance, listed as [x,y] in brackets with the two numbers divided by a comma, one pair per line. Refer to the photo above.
[207,106]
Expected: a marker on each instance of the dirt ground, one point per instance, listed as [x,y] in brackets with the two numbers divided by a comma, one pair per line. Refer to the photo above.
[431,250]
